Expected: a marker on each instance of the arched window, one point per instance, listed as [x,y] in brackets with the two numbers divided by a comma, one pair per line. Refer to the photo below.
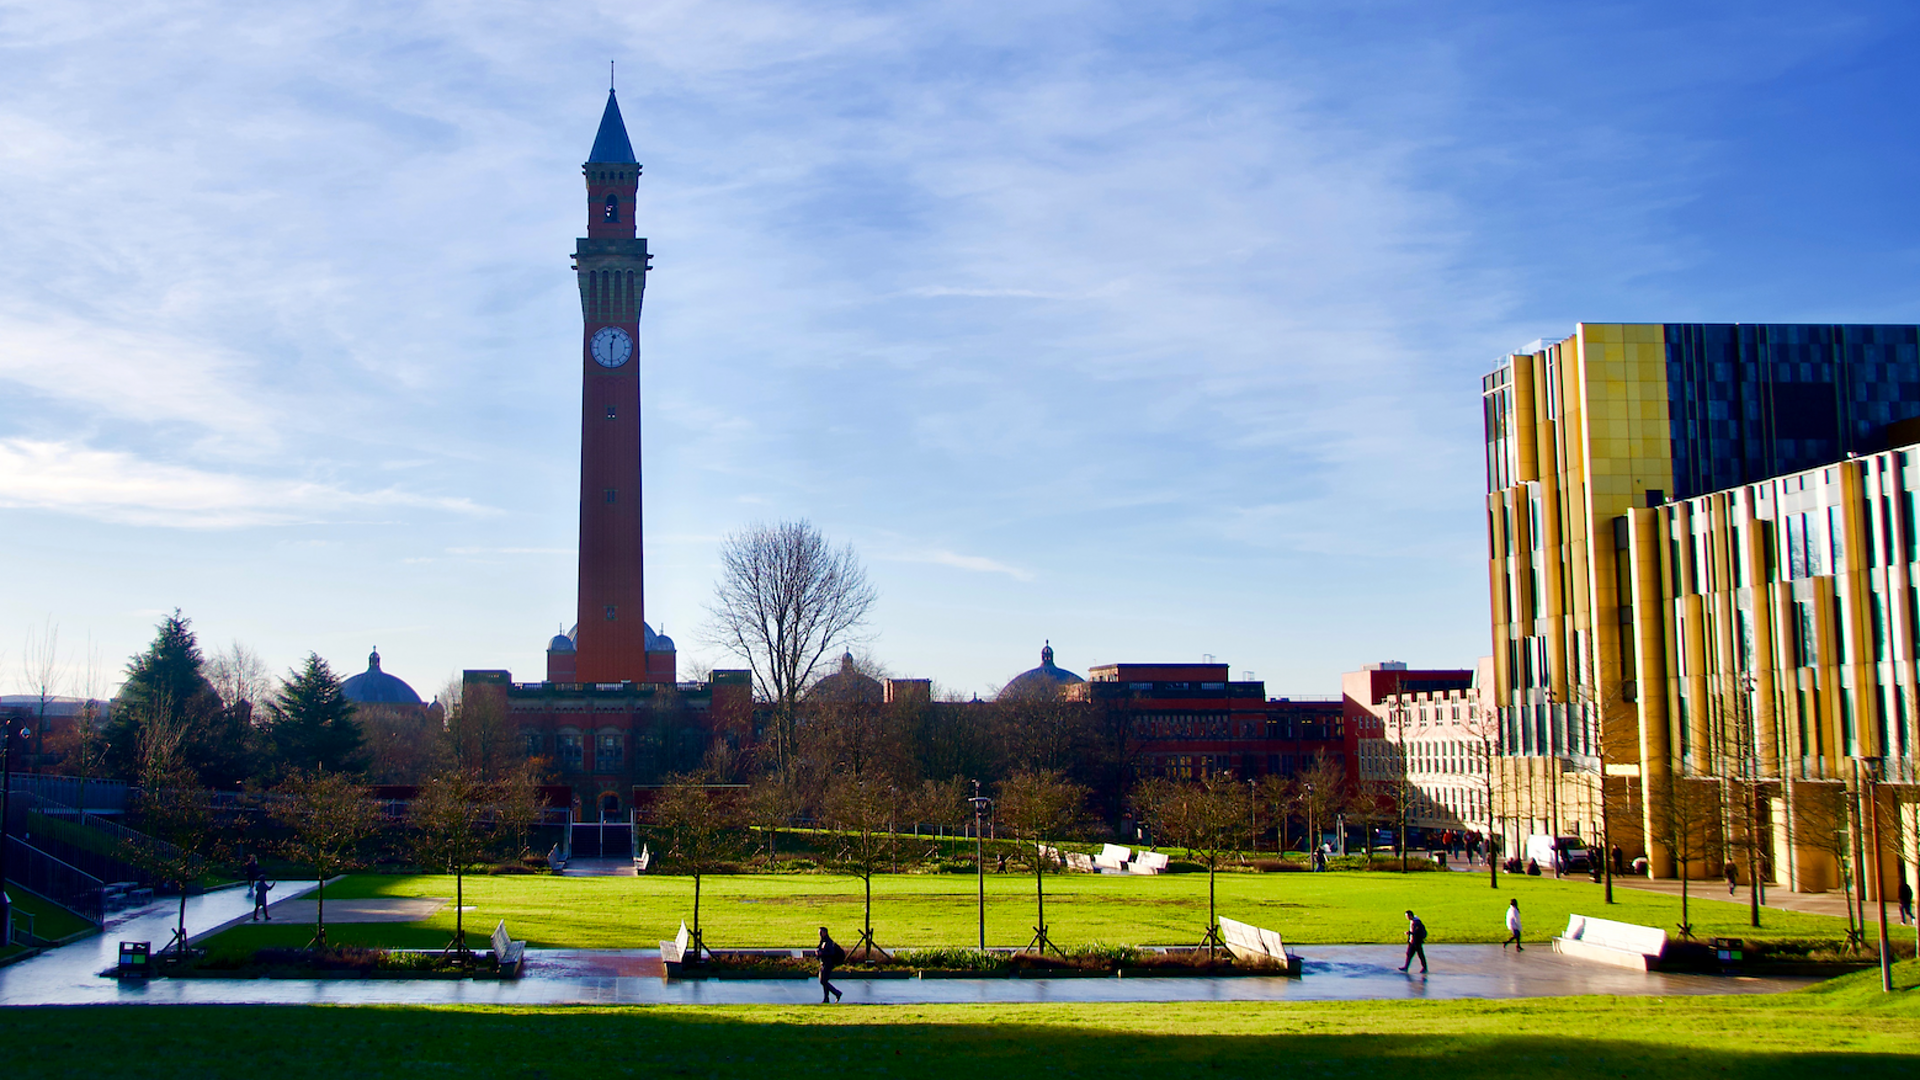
[612,213]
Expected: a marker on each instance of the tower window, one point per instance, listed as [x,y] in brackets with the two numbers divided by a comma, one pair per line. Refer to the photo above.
[612,494]
[612,412]
[611,616]
[612,213]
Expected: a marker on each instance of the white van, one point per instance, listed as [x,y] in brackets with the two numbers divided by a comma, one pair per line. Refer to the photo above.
[1568,853]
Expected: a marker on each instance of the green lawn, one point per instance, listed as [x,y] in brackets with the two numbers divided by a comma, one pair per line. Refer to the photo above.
[939,909]
[50,920]
[1843,1028]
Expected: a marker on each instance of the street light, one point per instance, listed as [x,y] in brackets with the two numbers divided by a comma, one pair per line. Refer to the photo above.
[11,727]
[981,807]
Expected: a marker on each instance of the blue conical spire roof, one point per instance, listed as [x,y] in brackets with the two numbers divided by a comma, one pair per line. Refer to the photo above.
[611,144]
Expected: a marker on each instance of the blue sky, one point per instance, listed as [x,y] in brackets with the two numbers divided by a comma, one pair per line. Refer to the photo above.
[1153,330]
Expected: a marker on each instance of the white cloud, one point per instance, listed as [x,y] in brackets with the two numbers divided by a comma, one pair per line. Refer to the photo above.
[114,486]
[978,564]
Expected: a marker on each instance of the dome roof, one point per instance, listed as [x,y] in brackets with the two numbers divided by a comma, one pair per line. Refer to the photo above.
[656,642]
[376,687]
[1045,681]
[561,643]
[847,684]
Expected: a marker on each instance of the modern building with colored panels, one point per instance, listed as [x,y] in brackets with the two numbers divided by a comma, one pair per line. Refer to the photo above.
[1700,565]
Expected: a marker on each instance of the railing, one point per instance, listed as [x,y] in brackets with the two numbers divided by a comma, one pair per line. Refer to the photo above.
[73,792]
[64,884]
[112,831]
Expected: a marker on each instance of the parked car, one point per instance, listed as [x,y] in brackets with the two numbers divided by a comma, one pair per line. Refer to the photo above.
[1566,853]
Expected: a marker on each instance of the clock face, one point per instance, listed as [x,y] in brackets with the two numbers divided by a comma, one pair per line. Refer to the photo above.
[611,346]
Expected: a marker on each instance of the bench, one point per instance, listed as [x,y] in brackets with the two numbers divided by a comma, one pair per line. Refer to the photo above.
[1147,862]
[554,862]
[1251,943]
[1113,857]
[642,861]
[1607,942]
[1081,862]
[674,953]
[507,952]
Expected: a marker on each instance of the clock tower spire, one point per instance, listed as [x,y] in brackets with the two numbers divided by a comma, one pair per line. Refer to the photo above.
[612,642]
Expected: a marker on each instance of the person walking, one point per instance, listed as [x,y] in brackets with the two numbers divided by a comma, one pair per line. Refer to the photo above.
[1513,927]
[260,890]
[1906,901]
[252,869]
[1733,877]
[1416,942]
[831,956]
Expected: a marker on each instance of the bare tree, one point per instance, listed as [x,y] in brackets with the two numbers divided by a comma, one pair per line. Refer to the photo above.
[1482,729]
[1322,795]
[40,669]
[240,677]
[784,598]
[863,809]
[702,834]
[478,732]
[1037,807]
[329,816]
[1683,812]
[179,841]
[453,817]
[1827,824]
[1207,817]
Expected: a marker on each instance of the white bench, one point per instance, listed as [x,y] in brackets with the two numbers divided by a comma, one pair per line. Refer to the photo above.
[1081,862]
[1147,862]
[507,952]
[1607,942]
[674,952]
[643,861]
[554,862]
[1050,854]
[1112,857]
[1247,942]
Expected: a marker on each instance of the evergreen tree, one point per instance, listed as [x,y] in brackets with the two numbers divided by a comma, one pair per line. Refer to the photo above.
[311,724]
[168,682]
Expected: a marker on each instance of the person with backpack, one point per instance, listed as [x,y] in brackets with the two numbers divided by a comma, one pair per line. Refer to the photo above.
[831,956]
[1416,942]
[1513,927]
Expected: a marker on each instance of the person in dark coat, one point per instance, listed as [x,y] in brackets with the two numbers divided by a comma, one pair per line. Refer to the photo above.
[1906,901]
[831,956]
[1733,878]
[1416,942]
[260,890]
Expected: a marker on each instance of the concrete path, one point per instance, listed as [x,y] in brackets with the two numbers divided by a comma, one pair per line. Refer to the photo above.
[605,977]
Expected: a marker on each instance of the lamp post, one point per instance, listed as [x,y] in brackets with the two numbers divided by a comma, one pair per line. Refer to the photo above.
[981,805]
[11,727]
[1253,814]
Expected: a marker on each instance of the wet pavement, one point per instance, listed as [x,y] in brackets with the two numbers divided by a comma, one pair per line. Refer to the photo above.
[70,975]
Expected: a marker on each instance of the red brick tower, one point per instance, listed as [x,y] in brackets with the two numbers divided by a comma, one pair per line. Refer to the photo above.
[612,641]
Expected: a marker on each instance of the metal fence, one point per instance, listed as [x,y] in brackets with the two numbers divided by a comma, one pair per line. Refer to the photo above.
[74,793]
[110,832]
[64,884]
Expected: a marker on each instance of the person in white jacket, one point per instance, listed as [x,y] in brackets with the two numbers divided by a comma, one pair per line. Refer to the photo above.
[1513,927]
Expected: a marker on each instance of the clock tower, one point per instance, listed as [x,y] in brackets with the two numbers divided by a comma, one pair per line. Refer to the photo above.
[612,642]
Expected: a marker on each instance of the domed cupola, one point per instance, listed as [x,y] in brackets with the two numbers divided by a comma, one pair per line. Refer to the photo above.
[376,687]
[1047,681]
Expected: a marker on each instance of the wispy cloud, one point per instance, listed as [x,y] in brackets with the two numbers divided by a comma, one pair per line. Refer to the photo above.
[510,551]
[119,487]
[978,564]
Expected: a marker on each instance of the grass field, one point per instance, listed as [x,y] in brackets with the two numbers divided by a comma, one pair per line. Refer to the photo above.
[939,909]
[50,921]
[1846,1027]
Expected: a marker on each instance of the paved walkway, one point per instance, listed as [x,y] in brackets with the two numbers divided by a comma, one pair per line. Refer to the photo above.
[560,976]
